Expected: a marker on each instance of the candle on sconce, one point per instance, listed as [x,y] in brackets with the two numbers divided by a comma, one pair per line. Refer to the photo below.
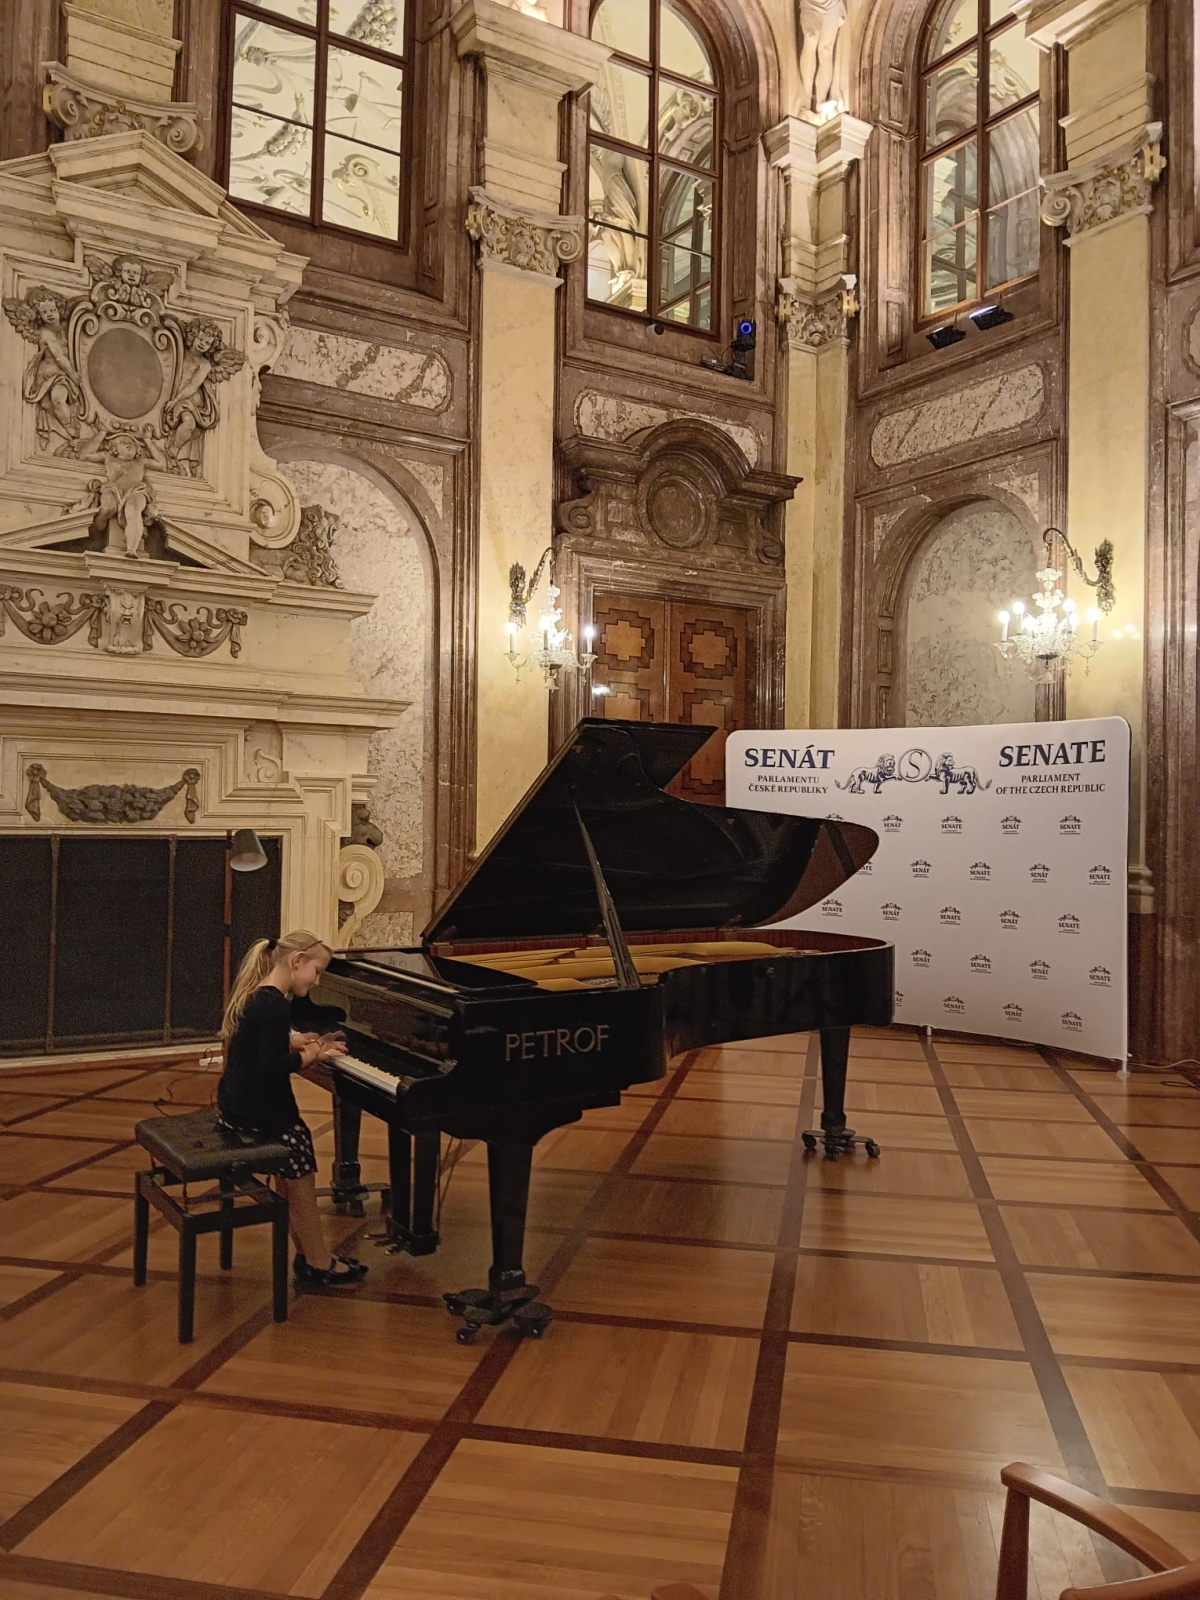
[1004,627]
[1094,619]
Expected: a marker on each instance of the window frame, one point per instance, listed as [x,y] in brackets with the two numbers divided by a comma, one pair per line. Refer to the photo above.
[324,41]
[716,174]
[981,133]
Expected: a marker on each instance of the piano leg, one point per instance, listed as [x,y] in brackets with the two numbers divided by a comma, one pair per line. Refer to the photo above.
[509,1168]
[413,1169]
[507,1297]
[348,1189]
[836,1138]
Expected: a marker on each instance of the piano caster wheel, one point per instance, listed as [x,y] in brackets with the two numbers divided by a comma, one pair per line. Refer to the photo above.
[810,1141]
[350,1208]
[535,1330]
[872,1149]
[831,1152]
[466,1335]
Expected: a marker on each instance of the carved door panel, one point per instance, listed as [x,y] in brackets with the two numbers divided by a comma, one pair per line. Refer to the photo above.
[674,661]
[706,683]
[631,657]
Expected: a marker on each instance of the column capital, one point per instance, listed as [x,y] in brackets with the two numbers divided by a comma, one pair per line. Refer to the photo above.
[527,48]
[1098,195]
[814,322]
[525,244]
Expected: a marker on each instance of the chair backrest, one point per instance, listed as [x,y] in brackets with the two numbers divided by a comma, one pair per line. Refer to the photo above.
[1172,1575]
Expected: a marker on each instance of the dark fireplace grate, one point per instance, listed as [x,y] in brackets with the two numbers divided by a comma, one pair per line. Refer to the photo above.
[123,941]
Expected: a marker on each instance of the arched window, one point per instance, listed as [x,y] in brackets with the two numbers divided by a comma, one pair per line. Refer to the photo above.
[980,154]
[316,112]
[653,186]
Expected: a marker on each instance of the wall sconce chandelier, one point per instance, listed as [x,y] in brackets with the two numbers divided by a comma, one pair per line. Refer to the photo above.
[1053,635]
[552,645]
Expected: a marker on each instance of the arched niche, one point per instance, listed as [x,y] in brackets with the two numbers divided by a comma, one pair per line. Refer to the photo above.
[382,547]
[972,561]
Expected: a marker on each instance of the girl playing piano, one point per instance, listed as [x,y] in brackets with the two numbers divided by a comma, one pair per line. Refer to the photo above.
[255,1095]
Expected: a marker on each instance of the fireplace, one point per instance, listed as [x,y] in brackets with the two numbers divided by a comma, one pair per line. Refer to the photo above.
[115,941]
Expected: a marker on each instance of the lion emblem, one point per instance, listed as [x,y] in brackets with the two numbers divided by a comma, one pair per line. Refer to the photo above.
[882,772]
[966,778]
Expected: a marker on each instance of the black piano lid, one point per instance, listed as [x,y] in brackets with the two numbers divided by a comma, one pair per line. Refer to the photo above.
[669,864]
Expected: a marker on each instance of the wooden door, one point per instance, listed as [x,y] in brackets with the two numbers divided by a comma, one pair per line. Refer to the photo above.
[674,661]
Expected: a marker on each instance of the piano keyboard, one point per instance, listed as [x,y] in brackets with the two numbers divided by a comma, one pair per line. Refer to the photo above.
[364,1072]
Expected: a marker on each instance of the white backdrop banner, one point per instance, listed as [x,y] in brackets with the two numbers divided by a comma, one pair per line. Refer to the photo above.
[1001,870]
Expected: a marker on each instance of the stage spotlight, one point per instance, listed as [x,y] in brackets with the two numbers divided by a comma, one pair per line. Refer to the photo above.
[943,338]
[990,317]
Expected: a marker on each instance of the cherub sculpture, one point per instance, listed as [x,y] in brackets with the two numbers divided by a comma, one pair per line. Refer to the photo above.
[127,282]
[192,408]
[124,495]
[50,382]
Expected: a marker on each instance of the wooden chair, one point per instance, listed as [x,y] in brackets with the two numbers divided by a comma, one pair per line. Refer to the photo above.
[1173,1576]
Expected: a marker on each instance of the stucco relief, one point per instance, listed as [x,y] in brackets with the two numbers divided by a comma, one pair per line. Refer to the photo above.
[410,376]
[974,563]
[378,552]
[993,406]
[1025,487]
[432,478]
[603,416]
[882,525]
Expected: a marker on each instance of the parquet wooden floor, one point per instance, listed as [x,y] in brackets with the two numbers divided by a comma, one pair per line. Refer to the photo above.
[773,1377]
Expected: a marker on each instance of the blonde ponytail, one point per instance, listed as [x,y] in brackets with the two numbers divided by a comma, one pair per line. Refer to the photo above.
[257,965]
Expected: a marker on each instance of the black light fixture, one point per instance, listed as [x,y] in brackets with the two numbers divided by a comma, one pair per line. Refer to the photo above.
[745,338]
[943,338]
[990,317]
[246,853]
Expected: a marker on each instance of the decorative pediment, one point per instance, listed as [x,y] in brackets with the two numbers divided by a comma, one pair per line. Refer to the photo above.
[140,308]
[684,486]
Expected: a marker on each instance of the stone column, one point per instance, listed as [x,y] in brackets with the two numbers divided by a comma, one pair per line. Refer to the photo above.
[1103,201]
[816,301]
[528,66]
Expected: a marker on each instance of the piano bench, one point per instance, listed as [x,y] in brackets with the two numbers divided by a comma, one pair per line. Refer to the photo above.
[194,1148]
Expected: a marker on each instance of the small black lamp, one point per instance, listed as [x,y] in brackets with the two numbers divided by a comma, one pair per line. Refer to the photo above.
[246,853]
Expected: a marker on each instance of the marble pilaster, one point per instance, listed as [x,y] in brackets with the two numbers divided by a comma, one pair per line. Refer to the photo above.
[529,66]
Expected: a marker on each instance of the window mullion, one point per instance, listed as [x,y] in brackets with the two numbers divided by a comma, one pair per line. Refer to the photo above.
[316,208]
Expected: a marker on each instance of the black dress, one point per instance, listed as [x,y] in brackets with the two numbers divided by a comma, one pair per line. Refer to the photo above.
[255,1094]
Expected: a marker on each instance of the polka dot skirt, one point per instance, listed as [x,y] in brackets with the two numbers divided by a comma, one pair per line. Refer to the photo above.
[303,1159]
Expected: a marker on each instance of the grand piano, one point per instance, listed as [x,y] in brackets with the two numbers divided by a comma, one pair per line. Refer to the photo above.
[607,927]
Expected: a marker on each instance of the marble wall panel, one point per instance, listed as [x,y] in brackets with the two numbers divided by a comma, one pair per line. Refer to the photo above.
[976,560]
[988,406]
[616,418]
[412,376]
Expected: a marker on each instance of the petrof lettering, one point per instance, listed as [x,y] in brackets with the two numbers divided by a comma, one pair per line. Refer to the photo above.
[547,1044]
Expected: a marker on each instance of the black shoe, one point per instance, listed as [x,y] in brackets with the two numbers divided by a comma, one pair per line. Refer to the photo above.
[343,1271]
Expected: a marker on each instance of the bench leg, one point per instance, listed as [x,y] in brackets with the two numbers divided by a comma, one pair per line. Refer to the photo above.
[187,1282]
[141,1231]
[226,1233]
[279,1258]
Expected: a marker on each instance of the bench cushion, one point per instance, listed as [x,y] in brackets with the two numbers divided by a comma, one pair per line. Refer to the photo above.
[194,1146]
